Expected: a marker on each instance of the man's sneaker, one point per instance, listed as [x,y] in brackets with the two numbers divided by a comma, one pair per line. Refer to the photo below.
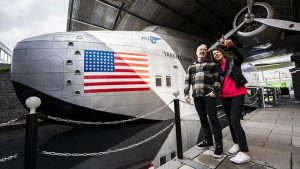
[234,149]
[218,153]
[204,145]
[241,158]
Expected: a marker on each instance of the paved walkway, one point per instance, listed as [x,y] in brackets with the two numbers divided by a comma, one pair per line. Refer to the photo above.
[273,136]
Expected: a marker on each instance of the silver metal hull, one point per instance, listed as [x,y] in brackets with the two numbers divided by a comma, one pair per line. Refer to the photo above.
[52,66]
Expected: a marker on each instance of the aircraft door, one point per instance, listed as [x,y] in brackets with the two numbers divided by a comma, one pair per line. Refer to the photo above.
[54,73]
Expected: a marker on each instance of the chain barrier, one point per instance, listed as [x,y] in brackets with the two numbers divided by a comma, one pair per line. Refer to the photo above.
[10,121]
[4,159]
[9,158]
[102,123]
[108,151]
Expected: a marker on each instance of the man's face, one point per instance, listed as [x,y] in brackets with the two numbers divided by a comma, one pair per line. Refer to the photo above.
[202,51]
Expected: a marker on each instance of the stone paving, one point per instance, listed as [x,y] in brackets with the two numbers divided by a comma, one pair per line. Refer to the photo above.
[273,136]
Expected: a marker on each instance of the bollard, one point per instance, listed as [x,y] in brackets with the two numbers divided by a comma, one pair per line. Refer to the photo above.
[31,133]
[178,129]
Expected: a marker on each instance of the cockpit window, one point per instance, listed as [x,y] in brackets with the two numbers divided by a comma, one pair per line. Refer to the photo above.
[158,80]
[168,80]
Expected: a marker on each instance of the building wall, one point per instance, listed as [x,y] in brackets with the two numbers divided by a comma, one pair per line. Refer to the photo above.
[10,106]
[5,54]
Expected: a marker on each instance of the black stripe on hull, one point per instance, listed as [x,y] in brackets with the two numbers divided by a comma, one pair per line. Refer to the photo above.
[55,107]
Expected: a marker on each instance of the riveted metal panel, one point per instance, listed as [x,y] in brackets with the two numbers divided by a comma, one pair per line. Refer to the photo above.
[19,55]
[54,77]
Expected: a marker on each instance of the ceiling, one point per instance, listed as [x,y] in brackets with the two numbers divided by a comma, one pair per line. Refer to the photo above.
[209,19]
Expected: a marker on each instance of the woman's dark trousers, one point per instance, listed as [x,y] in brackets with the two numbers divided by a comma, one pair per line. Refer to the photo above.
[233,108]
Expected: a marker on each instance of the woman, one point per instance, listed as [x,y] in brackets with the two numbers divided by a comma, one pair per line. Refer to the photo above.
[233,93]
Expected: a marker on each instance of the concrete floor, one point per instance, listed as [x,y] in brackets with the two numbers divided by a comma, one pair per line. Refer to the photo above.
[273,136]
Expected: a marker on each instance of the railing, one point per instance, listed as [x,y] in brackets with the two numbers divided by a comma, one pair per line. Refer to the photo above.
[262,96]
[270,94]
[31,151]
[255,97]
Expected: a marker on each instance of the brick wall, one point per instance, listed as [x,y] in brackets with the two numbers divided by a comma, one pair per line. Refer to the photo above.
[10,106]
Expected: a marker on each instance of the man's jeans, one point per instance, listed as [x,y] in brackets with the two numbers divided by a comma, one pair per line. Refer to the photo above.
[207,106]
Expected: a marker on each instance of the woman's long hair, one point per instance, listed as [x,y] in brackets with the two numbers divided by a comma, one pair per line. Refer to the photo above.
[226,55]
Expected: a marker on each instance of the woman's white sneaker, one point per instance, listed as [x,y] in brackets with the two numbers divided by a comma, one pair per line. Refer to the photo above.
[241,158]
[234,149]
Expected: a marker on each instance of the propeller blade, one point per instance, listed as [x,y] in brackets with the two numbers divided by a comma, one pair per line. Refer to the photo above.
[289,25]
[249,5]
[226,36]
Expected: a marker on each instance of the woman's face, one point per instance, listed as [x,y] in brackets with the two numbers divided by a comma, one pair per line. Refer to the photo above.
[217,55]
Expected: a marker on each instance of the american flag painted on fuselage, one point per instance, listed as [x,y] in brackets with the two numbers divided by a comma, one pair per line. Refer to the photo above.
[107,71]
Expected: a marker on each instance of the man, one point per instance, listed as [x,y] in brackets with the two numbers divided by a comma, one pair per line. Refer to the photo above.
[202,75]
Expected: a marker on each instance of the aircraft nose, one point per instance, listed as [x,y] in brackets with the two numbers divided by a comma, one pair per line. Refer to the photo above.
[39,60]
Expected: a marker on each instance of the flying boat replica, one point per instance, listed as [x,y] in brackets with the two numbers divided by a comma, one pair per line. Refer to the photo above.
[108,76]
[116,75]
[111,75]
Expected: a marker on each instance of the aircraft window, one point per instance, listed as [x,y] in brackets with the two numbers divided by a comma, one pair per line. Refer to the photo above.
[77,53]
[77,72]
[69,62]
[168,80]
[70,44]
[162,160]
[158,80]
[79,37]
[173,155]
[69,82]
[77,92]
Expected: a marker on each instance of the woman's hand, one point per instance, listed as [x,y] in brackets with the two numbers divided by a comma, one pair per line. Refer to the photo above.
[226,42]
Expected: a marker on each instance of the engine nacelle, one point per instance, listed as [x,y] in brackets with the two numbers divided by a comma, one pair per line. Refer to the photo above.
[253,33]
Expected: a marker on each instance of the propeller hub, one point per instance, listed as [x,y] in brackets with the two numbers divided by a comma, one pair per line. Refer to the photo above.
[249,17]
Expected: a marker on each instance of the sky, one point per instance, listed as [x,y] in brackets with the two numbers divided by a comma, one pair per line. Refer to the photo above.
[22,19]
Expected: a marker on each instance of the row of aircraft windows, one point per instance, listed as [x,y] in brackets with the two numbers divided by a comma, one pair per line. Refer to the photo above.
[158,80]
[5,56]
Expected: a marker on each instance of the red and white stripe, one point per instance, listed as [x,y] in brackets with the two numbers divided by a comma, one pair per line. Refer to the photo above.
[131,74]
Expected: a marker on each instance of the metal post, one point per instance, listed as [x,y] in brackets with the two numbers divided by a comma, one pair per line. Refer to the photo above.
[31,141]
[275,96]
[260,97]
[178,129]
[268,95]
[31,133]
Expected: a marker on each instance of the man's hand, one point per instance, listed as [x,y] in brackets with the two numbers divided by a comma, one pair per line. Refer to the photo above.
[211,94]
[188,98]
